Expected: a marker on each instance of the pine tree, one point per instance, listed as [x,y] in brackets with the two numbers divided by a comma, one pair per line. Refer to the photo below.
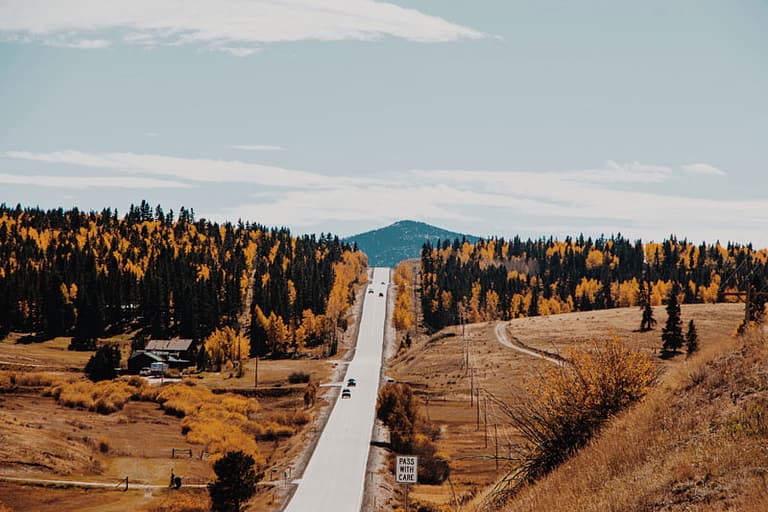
[533,308]
[103,365]
[648,322]
[672,333]
[691,339]
[235,482]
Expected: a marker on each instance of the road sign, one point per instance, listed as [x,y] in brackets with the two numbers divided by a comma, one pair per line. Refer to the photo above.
[406,469]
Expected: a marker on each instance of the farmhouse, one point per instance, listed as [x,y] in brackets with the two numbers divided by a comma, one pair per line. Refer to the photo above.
[177,353]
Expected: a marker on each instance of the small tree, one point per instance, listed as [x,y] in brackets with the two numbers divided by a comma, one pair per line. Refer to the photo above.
[310,395]
[691,339]
[104,364]
[235,482]
[648,322]
[755,303]
[672,333]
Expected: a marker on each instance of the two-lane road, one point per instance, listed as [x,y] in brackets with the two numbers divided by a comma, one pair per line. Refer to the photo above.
[335,476]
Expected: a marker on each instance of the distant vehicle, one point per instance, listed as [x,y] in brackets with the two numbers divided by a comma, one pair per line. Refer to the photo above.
[351,383]
[390,379]
[382,282]
[346,393]
[158,369]
[370,290]
[381,294]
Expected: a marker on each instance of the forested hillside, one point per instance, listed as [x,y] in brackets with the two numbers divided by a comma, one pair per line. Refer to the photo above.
[388,246]
[500,279]
[92,274]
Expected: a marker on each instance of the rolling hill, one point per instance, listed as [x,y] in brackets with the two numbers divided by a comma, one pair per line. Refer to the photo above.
[387,246]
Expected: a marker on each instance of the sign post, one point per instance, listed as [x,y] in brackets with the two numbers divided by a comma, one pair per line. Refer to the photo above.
[406,472]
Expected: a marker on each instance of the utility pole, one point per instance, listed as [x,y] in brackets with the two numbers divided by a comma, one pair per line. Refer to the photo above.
[485,421]
[471,385]
[477,429]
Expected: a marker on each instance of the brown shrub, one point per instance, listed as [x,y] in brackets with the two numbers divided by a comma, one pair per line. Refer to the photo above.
[294,419]
[298,378]
[103,444]
[271,430]
[569,403]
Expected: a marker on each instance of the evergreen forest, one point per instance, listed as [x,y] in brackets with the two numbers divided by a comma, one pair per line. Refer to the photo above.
[161,275]
[499,279]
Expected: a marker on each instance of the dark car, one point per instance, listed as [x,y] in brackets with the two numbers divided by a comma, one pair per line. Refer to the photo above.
[351,383]
[346,393]
[370,290]
[381,294]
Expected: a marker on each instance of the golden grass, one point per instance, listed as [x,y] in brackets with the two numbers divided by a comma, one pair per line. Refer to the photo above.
[694,443]
[182,502]
[10,380]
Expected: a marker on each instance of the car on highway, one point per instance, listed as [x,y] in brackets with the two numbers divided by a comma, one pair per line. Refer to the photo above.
[346,393]
[370,290]
[381,294]
[351,383]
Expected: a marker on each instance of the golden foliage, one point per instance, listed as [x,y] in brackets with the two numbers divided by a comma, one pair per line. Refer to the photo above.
[226,345]
[105,397]
[403,316]
[594,259]
[221,423]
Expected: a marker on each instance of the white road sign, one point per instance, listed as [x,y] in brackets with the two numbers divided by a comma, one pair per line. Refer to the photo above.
[406,469]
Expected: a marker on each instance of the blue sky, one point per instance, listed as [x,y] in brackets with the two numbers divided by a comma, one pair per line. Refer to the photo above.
[490,117]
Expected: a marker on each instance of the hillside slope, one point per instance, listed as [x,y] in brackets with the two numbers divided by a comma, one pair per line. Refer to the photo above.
[697,442]
[388,246]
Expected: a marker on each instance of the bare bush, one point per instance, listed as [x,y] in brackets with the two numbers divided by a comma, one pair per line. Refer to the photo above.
[568,404]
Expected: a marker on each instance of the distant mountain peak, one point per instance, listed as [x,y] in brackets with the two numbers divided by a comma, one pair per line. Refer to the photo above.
[401,240]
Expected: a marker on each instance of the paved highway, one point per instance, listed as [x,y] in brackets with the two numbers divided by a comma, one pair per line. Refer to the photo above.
[335,476]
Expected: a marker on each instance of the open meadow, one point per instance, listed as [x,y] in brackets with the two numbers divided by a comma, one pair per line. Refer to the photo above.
[470,435]
[44,439]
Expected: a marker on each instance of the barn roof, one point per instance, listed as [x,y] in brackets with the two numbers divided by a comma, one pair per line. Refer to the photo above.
[174,345]
[146,354]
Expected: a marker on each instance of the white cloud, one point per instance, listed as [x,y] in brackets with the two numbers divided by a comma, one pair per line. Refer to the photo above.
[258,147]
[238,51]
[192,169]
[81,182]
[83,44]
[614,172]
[707,169]
[592,201]
[234,26]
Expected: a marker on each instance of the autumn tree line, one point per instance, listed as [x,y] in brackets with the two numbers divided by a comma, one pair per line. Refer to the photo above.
[94,274]
[500,279]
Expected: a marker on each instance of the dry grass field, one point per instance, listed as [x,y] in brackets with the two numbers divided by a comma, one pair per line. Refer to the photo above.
[41,439]
[434,366]
[695,443]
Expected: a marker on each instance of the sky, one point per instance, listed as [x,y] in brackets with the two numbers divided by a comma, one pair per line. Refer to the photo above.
[489,117]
